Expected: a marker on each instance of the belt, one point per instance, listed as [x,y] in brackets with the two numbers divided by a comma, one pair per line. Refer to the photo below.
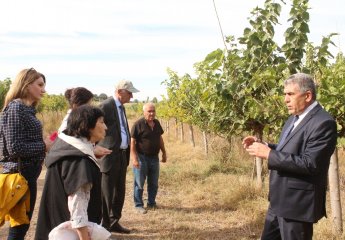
[149,155]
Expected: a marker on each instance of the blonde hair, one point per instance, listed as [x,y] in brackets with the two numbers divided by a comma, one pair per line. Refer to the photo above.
[18,88]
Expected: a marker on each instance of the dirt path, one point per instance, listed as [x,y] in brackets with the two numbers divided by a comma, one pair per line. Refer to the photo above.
[143,226]
[177,217]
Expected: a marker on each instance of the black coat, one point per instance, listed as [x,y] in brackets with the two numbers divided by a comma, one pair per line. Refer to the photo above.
[67,170]
[298,176]
[112,139]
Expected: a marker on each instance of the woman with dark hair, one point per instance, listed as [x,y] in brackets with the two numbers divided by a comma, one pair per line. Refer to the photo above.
[22,148]
[76,97]
[72,190]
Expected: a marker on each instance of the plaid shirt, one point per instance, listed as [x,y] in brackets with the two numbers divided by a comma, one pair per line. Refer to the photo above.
[20,137]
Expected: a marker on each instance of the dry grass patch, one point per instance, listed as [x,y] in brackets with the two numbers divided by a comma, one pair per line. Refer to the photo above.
[223,192]
[203,197]
[51,121]
[212,198]
[204,202]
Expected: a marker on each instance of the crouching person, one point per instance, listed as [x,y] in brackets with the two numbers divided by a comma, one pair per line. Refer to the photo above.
[71,197]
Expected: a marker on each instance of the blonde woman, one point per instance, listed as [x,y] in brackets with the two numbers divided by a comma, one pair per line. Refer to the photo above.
[22,147]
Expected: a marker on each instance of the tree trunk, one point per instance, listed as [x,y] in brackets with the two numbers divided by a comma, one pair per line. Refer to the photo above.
[334,190]
[191,132]
[205,142]
[167,125]
[182,133]
[176,129]
[258,164]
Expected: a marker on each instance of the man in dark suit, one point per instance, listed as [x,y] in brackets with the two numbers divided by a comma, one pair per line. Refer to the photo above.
[298,164]
[114,165]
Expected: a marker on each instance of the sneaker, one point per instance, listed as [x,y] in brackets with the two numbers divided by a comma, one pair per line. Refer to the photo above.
[141,210]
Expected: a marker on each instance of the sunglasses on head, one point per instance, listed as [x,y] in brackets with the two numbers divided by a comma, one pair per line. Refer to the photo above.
[27,72]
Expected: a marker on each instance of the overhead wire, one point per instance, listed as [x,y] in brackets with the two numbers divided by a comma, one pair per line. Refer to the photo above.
[220,26]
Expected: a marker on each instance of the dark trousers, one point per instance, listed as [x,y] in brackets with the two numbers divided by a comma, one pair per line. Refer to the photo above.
[31,174]
[113,190]
[278,228]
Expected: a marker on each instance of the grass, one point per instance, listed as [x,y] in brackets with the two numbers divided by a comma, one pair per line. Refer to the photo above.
[201,203]
[217,194]
[207,197]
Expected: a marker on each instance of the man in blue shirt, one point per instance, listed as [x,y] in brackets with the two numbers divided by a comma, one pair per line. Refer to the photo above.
[114,165]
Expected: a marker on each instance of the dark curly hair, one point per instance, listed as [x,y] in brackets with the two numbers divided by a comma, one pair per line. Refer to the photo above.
[82,120]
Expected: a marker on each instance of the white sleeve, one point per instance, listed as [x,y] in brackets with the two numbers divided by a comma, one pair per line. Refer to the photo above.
[63,125]
[77,206]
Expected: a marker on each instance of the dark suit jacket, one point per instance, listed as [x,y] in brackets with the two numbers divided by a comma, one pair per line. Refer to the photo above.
[298,176]
[112,139]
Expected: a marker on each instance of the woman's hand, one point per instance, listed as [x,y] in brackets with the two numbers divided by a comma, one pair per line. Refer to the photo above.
[101,151]
[48,142]
[83,233]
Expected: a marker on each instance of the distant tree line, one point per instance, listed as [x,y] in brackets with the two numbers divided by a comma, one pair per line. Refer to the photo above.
[57,102]
[4,87]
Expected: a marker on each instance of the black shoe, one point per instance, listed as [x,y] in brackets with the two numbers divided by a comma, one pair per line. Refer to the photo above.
[119,229]
[152,207]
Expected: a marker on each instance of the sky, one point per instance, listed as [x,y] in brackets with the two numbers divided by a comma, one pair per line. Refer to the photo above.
[94,44]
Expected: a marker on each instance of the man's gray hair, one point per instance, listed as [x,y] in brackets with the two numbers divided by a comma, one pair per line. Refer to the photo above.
[148,104]
[304,81]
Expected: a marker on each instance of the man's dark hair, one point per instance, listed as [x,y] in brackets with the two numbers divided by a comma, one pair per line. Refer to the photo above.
[81,120]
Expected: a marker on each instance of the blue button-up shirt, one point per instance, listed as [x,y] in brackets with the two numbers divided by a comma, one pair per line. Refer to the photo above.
[123,126]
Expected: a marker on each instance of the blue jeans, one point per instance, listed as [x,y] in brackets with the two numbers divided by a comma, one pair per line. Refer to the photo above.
[148,168]
[31,174]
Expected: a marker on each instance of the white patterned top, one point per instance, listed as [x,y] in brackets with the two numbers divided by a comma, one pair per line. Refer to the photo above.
[77,206]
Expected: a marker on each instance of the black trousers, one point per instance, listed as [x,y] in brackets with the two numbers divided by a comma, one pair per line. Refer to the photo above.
[114,190]
[278,228]
[31,174]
